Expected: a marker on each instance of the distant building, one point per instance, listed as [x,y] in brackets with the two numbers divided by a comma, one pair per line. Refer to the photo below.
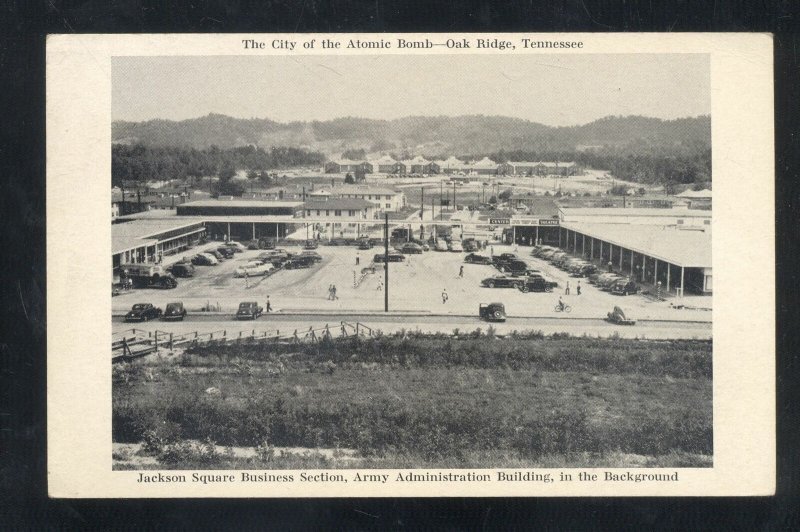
[384,199]
[418,165]
[450,165]
[131,203]
[348,209]
[485,166]
[341,166]
[387,165]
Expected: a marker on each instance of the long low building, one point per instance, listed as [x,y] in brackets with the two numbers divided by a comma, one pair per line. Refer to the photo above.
[678,258]
[148,240]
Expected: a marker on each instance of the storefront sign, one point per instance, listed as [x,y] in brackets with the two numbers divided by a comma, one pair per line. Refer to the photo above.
[548,221]
[499,221]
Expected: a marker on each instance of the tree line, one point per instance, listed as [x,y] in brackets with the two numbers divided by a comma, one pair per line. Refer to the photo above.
[647,166]
[145,163]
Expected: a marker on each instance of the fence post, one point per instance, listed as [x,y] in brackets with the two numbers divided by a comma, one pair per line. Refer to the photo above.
[156,341]
[170,342]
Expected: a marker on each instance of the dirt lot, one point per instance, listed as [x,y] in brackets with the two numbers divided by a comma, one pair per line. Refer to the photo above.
[414,285]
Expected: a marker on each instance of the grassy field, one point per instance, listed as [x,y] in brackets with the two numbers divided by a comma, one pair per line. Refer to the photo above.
[418,400]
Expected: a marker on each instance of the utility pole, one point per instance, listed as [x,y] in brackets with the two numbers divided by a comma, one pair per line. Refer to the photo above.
[422,204]
[386,262]
[454,196]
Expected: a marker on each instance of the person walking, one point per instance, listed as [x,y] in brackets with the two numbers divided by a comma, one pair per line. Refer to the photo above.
[578,288]
[461,272]
[268,305]
[333,292]
[445,297]
[609,266]
[491,251]
[566,289]
[358,258]
[330,292]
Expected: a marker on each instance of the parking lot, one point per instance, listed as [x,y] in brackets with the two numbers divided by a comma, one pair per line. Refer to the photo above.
[415,285]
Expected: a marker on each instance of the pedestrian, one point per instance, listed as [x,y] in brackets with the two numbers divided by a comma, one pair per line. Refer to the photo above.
[491,251]
[269,305]
[578,288]
[461,272]
[330,292]
[609,266]
[566,289]
[358,258]
[445,297]
[333,291]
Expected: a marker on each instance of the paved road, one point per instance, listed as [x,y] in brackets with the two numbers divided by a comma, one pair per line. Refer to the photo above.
[388,324]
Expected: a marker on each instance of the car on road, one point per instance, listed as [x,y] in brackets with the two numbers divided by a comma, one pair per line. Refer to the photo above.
[502,281]
[174,311]
[455,245]
[143,312]
[204,259]
[316,257]
[501,260]
[492,311]
[299,261]
[411,248]
[516,267]
[249,310]
[624,287]
[474,258]
[440,245]
[254,268]
[618,317]
[393,257]
[182,269]
[310,244]
[536,284]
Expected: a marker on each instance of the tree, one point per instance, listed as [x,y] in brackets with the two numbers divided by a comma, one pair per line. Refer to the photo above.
[506,194]
[493,199]
[226,172]
[354,155]
[227,188]
[361,175]
[349,179]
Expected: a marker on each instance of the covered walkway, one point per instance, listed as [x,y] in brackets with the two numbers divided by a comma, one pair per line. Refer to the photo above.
[676,261]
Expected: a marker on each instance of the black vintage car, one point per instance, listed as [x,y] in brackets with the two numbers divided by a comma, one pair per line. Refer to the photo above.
[310,244]
[313,254]
[536,284]
[182,269]
[249,310]
[143,312]
[502,281]
[174,311]
[393,257]
[474,258]
[226,252]
[492,311]
[299,261]
[624,287]
[411,248]
[503,258]
[364,243]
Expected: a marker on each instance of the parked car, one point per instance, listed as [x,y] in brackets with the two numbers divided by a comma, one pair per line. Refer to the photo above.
[216,254]
[364,243]
[393,257]
[618,316]
[606,284]
[536,284]
[515,267]
[204,259]
[583,270]
[235,246]
[275,256]
[266,243]
[143,312]
[474,258]
[502,281]
[254,268]
[599,277]
[310,244]
[299,261]
[538,251]
[455,245]
[492,311]
[470,244]
[624,287]
[313,254]
[226,252]
[501,260]
[411,249]
[182,269]
[174,311]
[252,244]
[249,310]
[440,245]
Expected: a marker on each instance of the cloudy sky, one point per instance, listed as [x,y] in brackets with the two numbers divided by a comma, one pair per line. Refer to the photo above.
[557,90]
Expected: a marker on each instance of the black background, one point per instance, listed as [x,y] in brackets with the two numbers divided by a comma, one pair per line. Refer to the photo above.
[23,26]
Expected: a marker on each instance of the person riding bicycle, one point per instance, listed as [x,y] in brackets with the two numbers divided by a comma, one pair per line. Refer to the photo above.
[561,304]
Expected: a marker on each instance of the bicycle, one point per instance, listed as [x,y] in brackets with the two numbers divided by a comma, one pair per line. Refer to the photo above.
[566,309]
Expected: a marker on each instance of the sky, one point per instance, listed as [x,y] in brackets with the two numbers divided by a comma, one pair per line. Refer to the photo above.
[556,90]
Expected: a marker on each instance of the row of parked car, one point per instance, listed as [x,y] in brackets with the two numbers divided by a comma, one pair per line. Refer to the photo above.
[176,311]
[579,267]
[516,273]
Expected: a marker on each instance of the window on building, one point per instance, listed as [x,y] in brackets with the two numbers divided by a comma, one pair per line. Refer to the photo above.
[388,205]
[317,212]
[680,222]
[351,213]
[337,213]
[706,222]
[327,212]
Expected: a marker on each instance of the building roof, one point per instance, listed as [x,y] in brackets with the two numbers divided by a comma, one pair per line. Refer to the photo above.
[345,162]
[339,204]
[241,203]
[484,163]
[138,233]
[681,247]
[695,194]
[522,163]
[558,164]
[357,189]
[624,212]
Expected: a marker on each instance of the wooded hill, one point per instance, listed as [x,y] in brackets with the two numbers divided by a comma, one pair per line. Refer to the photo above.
[426,135]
